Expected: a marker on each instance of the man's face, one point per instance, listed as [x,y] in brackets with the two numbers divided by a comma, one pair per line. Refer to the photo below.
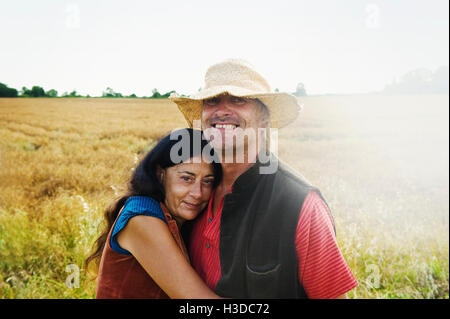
[233,116]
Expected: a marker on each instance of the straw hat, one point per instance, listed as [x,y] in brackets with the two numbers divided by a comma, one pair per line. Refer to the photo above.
[238,78]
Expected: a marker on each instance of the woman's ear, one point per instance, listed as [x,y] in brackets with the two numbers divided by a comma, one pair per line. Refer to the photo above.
[160,174]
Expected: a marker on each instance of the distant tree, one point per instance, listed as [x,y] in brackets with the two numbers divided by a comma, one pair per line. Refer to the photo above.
[166,95]
[25,92]
[5,91]
[51,93]
[300,90]
[37,91]
[421,81]
[416,80]
[110,93]
[440,81]
[156,94]
[132,96]
[73,94]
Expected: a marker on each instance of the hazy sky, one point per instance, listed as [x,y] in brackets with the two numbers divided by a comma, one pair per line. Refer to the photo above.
[348,46]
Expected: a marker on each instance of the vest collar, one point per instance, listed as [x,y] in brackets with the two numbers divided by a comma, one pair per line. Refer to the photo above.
[167,215]
[251,176]
[173,227]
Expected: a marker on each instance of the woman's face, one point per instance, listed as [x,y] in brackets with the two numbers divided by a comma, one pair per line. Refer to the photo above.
[188,187]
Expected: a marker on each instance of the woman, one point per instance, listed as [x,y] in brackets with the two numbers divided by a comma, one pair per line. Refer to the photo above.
[142,252]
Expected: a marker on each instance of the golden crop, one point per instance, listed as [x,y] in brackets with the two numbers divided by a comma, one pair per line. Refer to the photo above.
[381,162]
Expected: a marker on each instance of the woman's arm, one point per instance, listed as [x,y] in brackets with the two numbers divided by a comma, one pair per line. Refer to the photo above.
[149,240]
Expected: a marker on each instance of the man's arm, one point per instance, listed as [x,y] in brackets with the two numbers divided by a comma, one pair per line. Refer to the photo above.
[323,272]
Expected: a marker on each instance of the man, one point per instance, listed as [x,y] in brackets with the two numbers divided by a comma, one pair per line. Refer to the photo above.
[267,233]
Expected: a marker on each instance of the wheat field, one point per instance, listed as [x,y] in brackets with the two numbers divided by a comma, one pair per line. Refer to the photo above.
[380,161]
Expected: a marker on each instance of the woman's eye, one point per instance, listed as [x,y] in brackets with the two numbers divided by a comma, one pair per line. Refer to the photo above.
[186,178]
[208,181]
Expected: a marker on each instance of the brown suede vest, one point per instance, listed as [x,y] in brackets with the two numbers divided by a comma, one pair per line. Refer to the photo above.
[121,276]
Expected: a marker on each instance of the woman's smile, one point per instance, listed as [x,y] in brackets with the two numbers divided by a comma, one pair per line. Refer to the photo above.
[191,205]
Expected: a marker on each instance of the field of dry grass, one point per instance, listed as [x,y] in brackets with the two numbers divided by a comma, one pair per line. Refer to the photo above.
[381,162]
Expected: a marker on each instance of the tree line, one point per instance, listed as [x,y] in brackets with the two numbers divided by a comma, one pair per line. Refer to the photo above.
[421,81]
[37,91]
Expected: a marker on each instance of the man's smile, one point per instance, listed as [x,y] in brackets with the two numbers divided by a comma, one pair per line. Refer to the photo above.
[225,126]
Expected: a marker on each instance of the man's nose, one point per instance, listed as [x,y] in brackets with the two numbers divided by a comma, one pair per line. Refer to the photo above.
[223,108]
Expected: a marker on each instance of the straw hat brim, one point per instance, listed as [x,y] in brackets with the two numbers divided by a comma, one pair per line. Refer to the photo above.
[283,107]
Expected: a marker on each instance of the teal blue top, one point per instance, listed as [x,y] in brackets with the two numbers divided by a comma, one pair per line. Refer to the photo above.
[134,206]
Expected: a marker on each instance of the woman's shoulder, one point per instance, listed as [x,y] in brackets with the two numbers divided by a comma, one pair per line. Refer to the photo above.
[134,206]
[142,204]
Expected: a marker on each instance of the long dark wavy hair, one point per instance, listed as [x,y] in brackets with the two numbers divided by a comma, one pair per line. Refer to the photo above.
[144,181]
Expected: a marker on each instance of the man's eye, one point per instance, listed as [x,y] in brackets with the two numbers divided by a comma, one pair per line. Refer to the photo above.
[238,100]
[208,181]
[186,178]
[212,101]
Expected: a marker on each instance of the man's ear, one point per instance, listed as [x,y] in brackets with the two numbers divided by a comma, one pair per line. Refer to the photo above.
[160,174]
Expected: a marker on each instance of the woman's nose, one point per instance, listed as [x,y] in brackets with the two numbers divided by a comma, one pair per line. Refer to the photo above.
[196,190]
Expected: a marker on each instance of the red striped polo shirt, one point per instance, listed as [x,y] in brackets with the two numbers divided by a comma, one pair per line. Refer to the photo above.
[322,272]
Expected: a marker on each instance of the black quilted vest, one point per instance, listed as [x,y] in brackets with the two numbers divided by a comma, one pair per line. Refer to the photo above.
[257,234]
